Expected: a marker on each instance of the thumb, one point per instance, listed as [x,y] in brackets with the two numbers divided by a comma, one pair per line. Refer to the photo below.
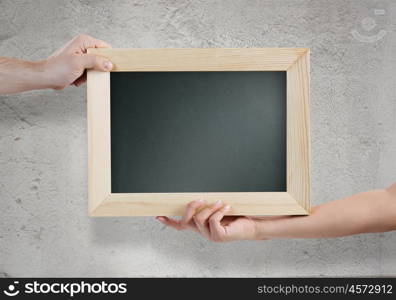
[99,63]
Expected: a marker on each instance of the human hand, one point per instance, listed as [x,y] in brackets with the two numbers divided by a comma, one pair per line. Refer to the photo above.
[67,65]
[211,222]
[373,211]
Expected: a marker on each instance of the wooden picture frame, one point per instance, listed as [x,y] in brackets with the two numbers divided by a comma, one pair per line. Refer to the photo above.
[294,201]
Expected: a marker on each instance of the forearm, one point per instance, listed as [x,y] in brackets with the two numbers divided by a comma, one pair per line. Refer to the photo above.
[373,211]
[18,75]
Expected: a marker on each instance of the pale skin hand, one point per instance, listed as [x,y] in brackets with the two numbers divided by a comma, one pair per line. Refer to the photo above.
[63,68]
[367,212]
[373,211]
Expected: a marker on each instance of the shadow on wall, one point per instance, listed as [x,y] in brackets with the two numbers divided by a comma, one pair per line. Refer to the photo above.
[185,248]
[192,255]
[187,253]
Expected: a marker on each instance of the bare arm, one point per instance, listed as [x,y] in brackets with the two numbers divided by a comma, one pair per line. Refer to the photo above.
[65,67]
[18,75]
[373,211]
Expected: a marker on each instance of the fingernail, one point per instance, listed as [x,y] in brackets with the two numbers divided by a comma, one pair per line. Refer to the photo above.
[227,208]
[108,65]
[217,203]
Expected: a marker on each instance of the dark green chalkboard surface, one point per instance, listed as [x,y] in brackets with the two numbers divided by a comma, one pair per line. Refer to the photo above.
[198,132]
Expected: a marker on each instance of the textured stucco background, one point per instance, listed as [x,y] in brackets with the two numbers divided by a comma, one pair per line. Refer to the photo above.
[44,228]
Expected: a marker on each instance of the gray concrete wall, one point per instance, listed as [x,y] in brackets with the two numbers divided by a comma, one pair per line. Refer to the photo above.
[44,228]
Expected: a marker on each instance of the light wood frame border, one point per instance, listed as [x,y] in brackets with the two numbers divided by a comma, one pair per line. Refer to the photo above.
[295,61]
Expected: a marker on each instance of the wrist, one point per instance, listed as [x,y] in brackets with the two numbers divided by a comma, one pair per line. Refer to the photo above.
[41,78]
[263,229]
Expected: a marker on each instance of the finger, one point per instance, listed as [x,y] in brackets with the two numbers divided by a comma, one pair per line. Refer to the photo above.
[201,218]
[82,42]
[91,61]
[217,231]
[80,80]
[190,211]
[170,222]
[95,43]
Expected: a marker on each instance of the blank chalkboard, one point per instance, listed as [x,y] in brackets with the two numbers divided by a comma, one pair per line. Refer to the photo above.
[198,132]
